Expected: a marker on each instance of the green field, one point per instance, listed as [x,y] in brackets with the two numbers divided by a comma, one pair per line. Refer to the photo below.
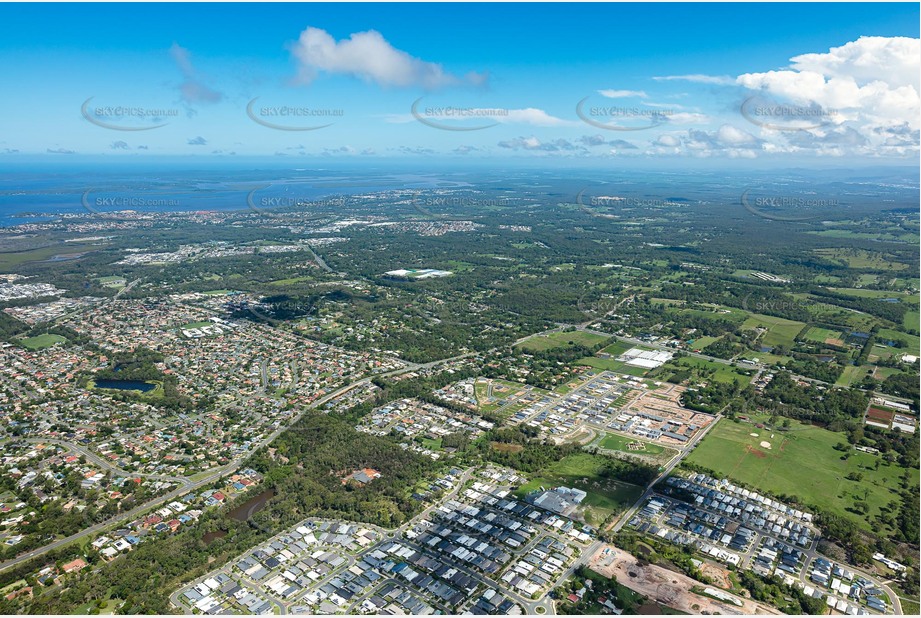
[720,372]
[429,443]
[852,374]
[862,293]
[819,335]
[911,319]
[912,341]
[561,340]
[801,462]
[779,330]
[42,341]
[615,349]
[616,442]
[196,324]
[702,342]
[13,259]
[582,471]
[859,258]
[609,364]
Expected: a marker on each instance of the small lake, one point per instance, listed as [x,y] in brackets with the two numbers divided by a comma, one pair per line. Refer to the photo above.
[126,385]
[210,537]
[252,506]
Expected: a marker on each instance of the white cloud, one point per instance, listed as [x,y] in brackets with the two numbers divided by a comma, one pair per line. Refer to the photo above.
[669,141]
[727,141]
[532,143]
[368,56]
[686,117]
[622,94]
[870,83]
[532,116]
[723,80]
[731,136]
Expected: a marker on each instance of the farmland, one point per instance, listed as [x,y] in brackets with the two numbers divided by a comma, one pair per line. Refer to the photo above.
[561,340]
[801,462]
[779,331]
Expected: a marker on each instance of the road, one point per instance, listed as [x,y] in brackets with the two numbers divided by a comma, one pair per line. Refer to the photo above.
[102,463]
[218,473]
[733,363]
[666,471]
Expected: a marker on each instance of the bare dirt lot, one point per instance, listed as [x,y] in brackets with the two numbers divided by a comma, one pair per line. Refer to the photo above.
[666,587]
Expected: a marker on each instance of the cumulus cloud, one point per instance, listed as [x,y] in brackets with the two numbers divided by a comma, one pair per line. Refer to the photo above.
[119,145]
[193,89]
[622,94]
[870,85]
[685,117]
[533,143]
[369,56]
[197,141]
[667,140]
[727,140]
[60,151]
[599,140]
[532,116]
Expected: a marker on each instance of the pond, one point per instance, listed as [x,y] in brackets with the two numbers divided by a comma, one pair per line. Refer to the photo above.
[214,535]
[126,385]
[252,506]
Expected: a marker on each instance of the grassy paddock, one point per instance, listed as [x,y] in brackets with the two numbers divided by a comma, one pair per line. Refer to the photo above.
[561,340]
[801,462]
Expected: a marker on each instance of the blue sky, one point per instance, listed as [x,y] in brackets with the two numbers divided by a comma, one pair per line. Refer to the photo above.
[783,83]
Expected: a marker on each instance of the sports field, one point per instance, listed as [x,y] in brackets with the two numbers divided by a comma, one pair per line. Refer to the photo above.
[801,462]
[825,335]
[42,341]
